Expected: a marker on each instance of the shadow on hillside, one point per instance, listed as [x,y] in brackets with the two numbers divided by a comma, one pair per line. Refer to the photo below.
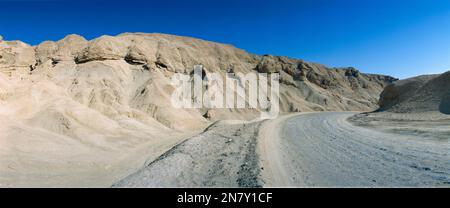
[444,106]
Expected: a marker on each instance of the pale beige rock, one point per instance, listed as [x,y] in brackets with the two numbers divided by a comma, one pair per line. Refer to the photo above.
[416,106]
[46,51]
[65,49]
[103,105]
[210,114]
[103,48]
[17,59]
[69,47]
[16,54]
[428,93]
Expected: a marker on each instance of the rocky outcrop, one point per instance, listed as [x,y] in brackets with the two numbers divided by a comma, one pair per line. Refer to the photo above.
[16,54]
[128,76]
[66,49]
[17,59]
[210,114]
[103,48]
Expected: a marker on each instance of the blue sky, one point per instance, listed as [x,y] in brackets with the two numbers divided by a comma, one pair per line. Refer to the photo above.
[401,38]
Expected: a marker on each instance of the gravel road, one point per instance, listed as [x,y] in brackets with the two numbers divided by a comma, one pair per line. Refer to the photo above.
[302,150]
[325,150]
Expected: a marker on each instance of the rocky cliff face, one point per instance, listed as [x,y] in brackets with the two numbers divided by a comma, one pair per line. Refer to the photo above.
[125,82]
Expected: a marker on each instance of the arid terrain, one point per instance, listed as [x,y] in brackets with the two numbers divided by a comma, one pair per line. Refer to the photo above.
[316,149]
[325,150]
[418,106]
[97,113]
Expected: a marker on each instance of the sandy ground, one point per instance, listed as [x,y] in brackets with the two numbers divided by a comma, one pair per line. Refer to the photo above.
[325,150]
[430,125]
[63,162]
[299,150]
[224,155]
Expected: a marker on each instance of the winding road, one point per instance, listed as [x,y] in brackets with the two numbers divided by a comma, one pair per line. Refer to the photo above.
[325,150]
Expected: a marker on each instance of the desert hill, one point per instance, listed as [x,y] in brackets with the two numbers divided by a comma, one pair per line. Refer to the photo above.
[418,106]
[428,93]
[82,108]
[122,75]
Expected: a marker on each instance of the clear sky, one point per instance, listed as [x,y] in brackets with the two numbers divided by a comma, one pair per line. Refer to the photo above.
[401,38]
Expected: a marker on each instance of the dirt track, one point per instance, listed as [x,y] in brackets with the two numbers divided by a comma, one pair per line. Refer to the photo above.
[302,150]
[324,149]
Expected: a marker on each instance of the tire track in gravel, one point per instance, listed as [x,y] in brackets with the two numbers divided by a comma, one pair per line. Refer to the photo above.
[325,150]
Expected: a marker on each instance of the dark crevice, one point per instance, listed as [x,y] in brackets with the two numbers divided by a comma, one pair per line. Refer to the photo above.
[54,62]
[132,61]
[31,68]
[160,65]
[82,61]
